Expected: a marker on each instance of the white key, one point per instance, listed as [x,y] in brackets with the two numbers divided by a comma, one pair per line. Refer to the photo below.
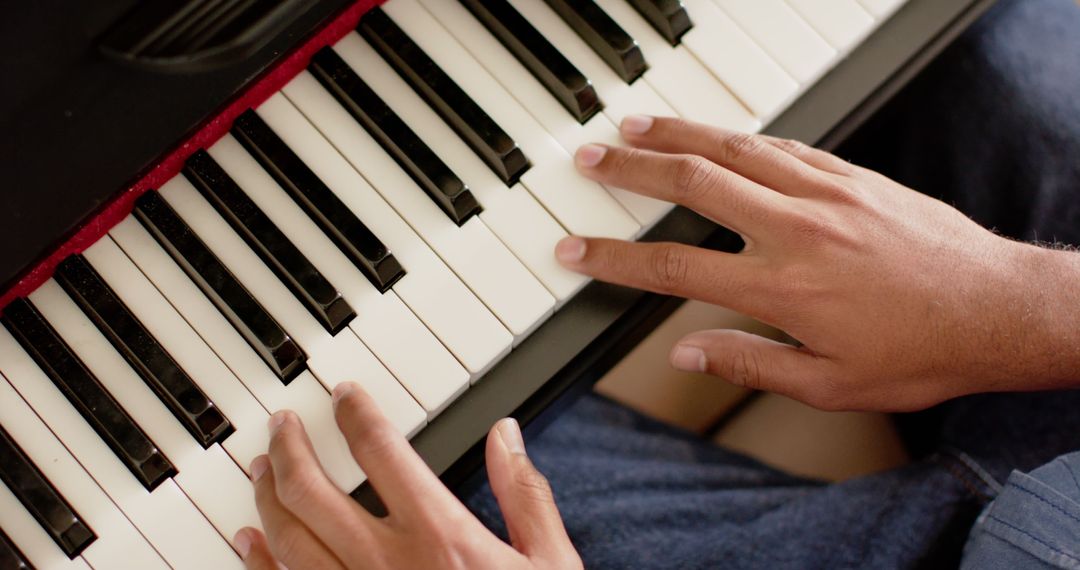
[430,289]
[472,251]
[533,96]
[754,77]
[512,213]
[189,351]
[168,520]
[782,33]
[410,352]
[882,9]
[213,482]
[580,205]
[304,394]
[118,544]
[687,85]
[843,23]
[25,532]
[331,359]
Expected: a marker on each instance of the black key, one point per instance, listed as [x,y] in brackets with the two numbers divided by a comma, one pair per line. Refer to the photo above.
[301,277]
[34,491]
[160,372]
[668,17]
[532,49]
[473,125]
[430,172]
[603,35]
[350,234]
[85,392]
[10,557]
[262,332]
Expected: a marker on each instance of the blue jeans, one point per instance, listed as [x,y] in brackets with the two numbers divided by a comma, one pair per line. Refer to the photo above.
[993,127]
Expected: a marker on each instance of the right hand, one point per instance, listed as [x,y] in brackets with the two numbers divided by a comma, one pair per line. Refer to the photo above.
[900,300]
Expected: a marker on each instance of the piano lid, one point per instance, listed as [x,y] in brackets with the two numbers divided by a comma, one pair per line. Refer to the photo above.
[90,106]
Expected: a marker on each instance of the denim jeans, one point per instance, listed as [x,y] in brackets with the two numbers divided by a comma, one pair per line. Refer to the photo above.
[993,127]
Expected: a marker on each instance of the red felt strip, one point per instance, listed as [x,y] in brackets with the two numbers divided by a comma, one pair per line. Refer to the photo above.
[272,82]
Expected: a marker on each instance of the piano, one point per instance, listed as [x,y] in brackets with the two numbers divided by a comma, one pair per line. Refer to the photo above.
[214,210]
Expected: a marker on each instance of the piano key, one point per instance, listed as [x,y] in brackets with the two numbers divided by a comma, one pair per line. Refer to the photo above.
[514,216]
[667,17]
[435,294]
[395,137]
[882,9]
[784,35]
[579,205]
[304,395]
[127,441]
[569,133]
[561,78]
[185,347]
[332,359]
[65,526]
[479,131]
[173,387]
[361,246]
[843,23]
[119,544]
[299,275]
[10,555]
[744,67]
[609,40]
[472,251]
[165,517]
[236,303]
[216,486]
[680,78]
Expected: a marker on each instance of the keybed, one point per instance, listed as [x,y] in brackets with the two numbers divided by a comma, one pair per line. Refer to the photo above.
[388,218]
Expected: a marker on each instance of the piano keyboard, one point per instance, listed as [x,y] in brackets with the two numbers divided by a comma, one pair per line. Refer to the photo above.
[388,218]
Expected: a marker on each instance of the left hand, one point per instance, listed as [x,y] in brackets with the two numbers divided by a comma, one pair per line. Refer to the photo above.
[310,523]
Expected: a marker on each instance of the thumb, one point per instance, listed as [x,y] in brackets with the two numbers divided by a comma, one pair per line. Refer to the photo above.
[525,498]
[752,361]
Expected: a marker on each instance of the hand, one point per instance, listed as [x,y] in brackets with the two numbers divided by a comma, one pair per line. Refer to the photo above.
[310,523]
[900,301]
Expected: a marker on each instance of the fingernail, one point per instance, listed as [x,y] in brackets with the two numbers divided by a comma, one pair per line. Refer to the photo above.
[275,421]
[688,359]
[636,124]
[242,542]
[570,249]
[510,433]
[259,465]
[342,390]
[590,155]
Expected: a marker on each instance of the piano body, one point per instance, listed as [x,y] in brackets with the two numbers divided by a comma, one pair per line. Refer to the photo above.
[217,209]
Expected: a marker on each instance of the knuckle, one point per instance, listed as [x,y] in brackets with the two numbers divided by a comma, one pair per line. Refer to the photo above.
[297,487]
[533,484]
[670,266]
[740,146]
[287,545]
[691,177]
[744,368]
[792,146]
[375,441]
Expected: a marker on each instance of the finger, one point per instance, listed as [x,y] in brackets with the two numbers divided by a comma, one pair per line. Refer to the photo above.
[754,362]
[306,491]
[254,550]
[715,277]
[290,541]
[687,179]
[403,481]
[525,498]
[747,155]
[815,157]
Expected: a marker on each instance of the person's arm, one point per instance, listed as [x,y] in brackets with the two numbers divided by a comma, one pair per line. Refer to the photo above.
[309,523]
[899,300]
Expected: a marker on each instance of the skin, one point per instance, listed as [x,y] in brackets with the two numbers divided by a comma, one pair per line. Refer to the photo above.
[899,302]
